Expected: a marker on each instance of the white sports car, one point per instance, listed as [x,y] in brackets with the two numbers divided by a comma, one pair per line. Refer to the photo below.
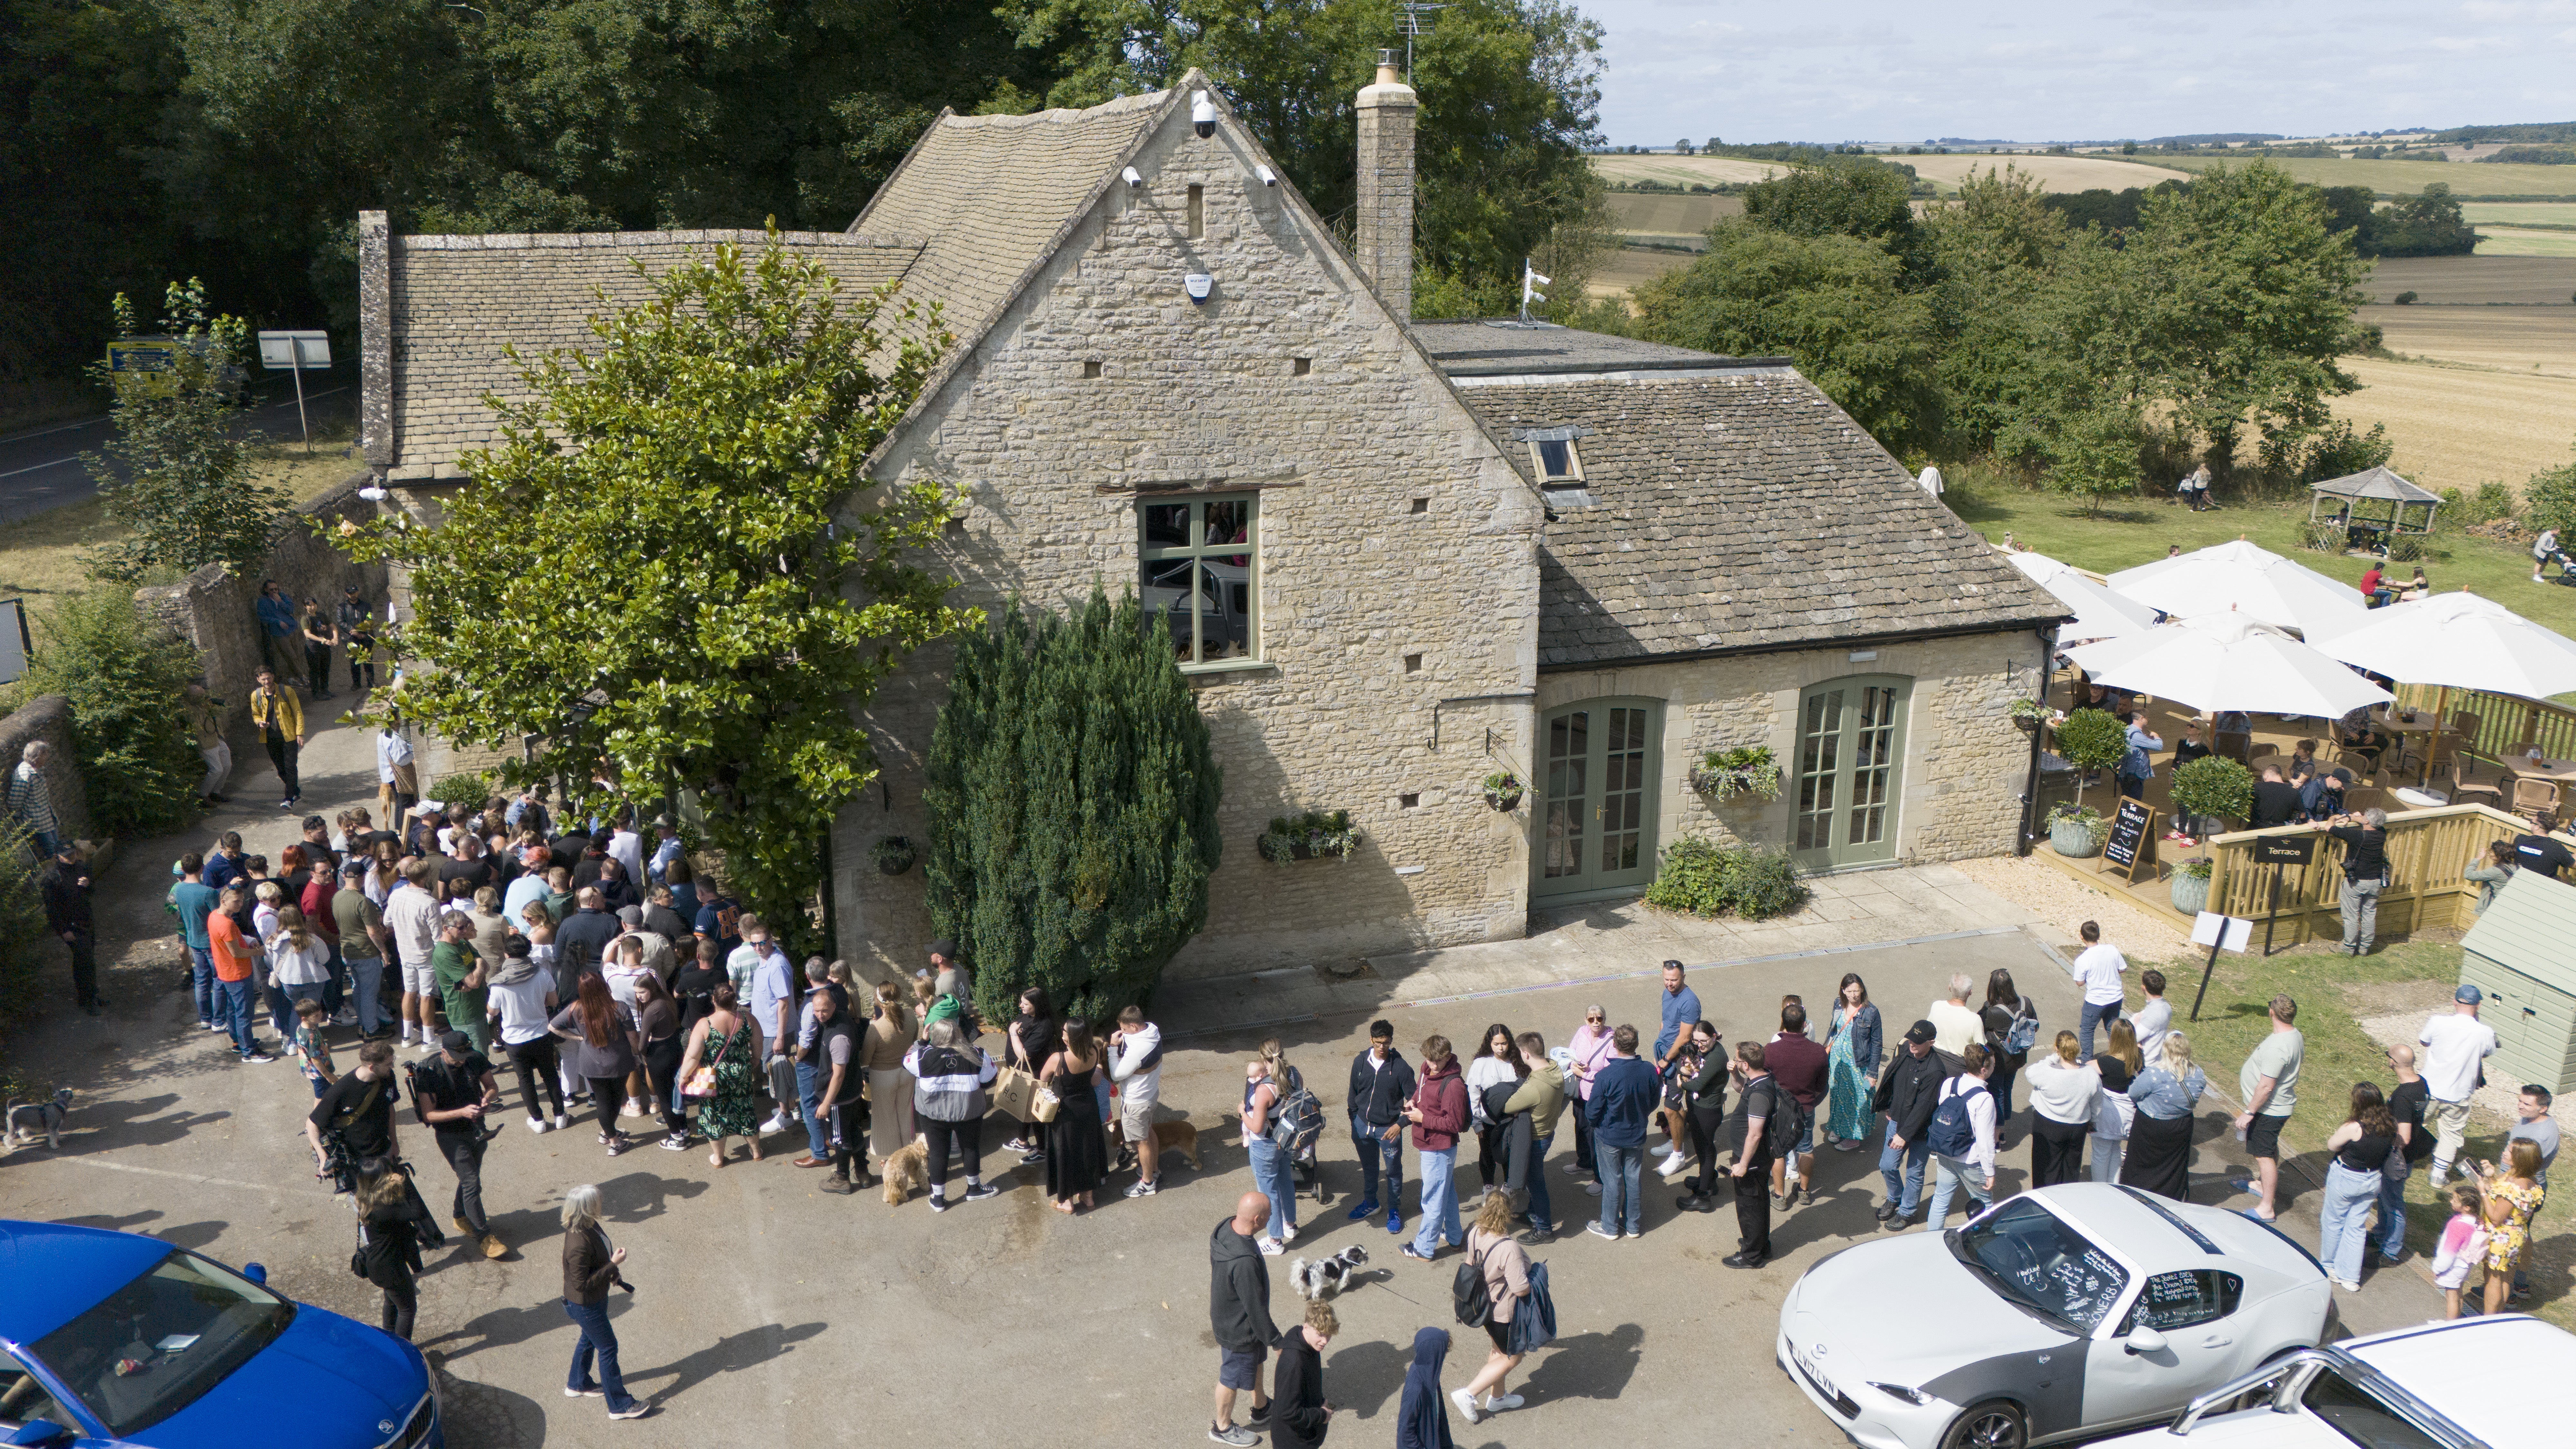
[2062,1312]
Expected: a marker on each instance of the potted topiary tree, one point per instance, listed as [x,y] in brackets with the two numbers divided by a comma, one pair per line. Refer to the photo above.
[2211,791]
[2088,739]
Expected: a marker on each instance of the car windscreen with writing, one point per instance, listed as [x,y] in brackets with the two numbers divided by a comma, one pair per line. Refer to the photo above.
[2033,1259]
[156,1345]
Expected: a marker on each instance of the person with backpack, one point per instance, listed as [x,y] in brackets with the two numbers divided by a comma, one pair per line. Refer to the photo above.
[2012,1028]
[1771,1123]
[1261,1098]
[450,1095]
[1492,1285]
[1539,1101]
[1962,1137]
[1381,1082]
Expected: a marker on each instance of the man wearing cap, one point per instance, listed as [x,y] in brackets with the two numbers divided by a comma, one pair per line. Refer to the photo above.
[951,979]
[1907,1092]
[449,1095]
[363,936]
[461,977]
[2454,1045]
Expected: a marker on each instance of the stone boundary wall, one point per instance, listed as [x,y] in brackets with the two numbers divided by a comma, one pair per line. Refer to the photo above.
[48,717]
[216,610]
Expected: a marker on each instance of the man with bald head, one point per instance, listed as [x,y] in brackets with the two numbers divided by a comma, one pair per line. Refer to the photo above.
[2406,1102]
[1239,1311]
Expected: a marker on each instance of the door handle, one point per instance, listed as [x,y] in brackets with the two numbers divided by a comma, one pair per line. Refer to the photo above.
[2215,1342]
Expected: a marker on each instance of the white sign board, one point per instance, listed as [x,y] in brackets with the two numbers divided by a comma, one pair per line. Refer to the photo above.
[277,350]
[13,640]
[2228,933]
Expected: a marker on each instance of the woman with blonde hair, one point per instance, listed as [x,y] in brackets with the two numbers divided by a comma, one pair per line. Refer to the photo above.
[889,1036]
[590,1264]
[299,960]
[2165,1093]
[388,1247]
[1504,1264]
[2118,1065]
[2064,1095]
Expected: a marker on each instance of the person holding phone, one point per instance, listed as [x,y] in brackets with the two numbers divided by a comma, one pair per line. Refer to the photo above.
[590,1270]
[1300,1413]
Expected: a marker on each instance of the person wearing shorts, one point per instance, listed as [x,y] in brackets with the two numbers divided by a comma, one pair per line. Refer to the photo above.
[1239,1314]
[411,914]
[1136,1068]
[2269,1082]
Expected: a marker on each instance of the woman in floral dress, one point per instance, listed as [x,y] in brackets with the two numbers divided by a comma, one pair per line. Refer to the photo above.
[1852,1047]
[729,1041]
[2513,1195]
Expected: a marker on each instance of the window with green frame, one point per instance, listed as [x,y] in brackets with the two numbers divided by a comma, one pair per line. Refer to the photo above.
[1200,572]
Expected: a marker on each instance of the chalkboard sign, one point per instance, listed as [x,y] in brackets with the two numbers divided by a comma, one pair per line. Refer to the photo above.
[2285,849]
[2132,846]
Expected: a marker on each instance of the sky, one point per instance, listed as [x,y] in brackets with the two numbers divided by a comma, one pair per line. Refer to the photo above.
[1873,70]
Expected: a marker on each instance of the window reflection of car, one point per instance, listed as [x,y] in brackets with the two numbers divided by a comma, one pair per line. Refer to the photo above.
[119,1339]
[2472,1383]
[1224,601]
[2059,1313]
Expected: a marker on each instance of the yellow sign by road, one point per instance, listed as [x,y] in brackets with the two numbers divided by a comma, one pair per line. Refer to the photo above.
[152,362]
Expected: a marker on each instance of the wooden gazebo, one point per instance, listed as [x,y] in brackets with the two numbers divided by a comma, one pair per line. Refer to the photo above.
[2374,506]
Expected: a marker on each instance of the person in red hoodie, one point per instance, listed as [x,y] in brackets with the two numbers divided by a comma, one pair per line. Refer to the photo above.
[1800,1067]
[1438,1113]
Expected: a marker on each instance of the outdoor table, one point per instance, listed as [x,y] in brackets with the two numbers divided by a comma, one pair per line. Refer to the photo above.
[2524,767]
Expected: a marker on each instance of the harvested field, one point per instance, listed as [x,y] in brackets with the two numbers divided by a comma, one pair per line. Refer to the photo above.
[2519,213]
[2062,174]
[2521,340]
[1632,266]
[2475,280]
[2458,427]
[1685,170]
[2392,178]
[2495,241]
[1681,218]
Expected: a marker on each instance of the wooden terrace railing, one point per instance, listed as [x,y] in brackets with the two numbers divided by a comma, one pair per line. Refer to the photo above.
[2427,850]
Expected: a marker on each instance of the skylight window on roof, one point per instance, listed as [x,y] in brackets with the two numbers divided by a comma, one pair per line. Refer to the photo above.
[1558,463]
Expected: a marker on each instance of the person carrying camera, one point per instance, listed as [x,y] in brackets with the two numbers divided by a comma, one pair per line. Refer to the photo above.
[590,1270]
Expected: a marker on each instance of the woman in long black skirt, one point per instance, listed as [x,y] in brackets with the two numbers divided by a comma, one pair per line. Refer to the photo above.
[2063,1099]
[1077,1152]
[2167,1092]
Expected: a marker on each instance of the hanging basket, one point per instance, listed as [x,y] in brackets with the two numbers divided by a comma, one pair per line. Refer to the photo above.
[893,854]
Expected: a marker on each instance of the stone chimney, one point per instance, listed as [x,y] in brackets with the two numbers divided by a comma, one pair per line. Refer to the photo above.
[1384,230]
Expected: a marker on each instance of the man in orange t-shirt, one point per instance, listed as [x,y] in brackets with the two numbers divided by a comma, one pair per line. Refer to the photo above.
[233,955]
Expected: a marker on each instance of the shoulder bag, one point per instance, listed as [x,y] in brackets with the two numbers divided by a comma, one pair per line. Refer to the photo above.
[702,1082]
[1045,1102]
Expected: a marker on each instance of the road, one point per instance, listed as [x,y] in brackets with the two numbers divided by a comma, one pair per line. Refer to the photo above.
[41,468]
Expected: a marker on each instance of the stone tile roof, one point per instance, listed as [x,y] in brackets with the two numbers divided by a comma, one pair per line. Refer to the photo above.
[1491,347]
[1736,508]
[994,195]
[457,301]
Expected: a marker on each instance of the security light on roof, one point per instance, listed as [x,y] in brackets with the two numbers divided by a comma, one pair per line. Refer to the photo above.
[1202,114]
[1131,177]
[1268,176]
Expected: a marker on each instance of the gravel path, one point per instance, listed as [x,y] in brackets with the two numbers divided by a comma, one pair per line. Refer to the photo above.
[2065,902]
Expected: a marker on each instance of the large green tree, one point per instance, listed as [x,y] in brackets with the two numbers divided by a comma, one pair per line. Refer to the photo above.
[655,572]
[1072,800]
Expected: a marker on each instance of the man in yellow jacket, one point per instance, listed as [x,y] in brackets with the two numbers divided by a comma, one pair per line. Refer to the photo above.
[279,717]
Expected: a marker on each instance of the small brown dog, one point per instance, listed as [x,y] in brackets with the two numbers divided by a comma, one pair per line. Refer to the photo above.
[1174,1136]
[907,1170]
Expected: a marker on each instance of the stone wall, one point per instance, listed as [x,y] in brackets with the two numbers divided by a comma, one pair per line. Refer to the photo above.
[1396,563]
[48,717]
[1965,763]
[217,611]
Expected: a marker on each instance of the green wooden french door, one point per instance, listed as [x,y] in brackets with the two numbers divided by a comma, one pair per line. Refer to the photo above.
[1850,759]
[1595,814]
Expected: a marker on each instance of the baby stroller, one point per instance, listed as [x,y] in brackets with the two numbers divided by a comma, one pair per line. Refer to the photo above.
[1304,1114]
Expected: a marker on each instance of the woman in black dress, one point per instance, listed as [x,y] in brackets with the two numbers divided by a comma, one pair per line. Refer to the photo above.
[2004,1006]
[389,1249]
[1077,1154]
[2159,1159]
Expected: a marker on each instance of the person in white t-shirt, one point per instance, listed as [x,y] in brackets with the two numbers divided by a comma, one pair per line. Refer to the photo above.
[2453,1045]
[2154,1019]
[2098,969]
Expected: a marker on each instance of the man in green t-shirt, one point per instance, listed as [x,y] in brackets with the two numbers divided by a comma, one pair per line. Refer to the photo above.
[460,979]
[2269,1084]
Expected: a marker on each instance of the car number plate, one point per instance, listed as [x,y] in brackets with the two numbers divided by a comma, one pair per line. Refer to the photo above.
[1824,1385]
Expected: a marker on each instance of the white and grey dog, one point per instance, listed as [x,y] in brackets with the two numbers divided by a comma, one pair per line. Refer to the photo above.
[1325,1277]
[28,1121]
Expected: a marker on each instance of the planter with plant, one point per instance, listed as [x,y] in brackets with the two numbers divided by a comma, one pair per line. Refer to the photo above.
[1744,770]
[1310,836]
[2029,714]
[2075,831]
[2210,791]
[2189,887]
[892,853]
[1503,790]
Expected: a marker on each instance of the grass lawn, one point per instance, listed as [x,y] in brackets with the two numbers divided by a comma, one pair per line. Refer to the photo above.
[2340,1053]
[40,556]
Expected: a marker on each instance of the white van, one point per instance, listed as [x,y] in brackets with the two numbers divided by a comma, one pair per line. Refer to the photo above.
[2472,1383]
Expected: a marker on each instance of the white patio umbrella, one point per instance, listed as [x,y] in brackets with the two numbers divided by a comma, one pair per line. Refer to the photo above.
[2232,662]
[2099,613]
[2461,641]
[2250,580]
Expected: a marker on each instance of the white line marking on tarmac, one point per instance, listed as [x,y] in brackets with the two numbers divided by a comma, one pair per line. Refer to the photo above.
[195,1177]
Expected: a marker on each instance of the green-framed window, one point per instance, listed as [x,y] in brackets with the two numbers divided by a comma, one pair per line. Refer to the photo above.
[1200,570]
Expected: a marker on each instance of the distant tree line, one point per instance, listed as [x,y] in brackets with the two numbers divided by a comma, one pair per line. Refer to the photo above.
[2426,225]
[236,140]
[1997,327]
[2532,131]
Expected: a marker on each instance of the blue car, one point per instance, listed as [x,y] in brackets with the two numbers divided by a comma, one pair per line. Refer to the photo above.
[115,1339]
